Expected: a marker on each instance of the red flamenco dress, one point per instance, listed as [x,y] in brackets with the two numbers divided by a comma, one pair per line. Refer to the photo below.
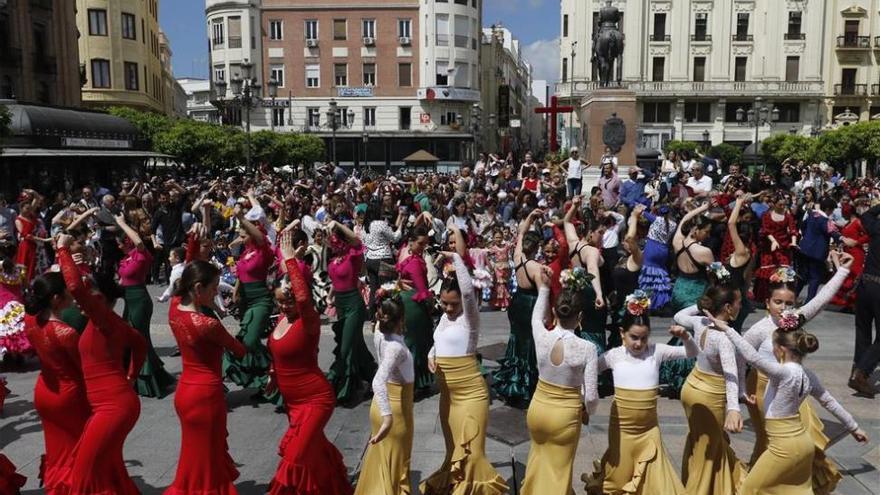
[98,467]
[204,466]
[768,260]
[26,255]
[59,397]
[310,464]
[846,296]
[10,481]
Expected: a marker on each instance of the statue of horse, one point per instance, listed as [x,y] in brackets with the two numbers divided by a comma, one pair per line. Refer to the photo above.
[609,48]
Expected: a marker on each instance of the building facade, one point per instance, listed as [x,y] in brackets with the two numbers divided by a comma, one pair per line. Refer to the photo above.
[198,100]
[852,63]
[39,61]
[697,66]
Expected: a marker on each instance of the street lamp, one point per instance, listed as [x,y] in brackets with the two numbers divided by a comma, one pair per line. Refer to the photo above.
[757,116]
[365,137]
[335,121]
[476,115]
[706,141]
[273,92]
[245,95]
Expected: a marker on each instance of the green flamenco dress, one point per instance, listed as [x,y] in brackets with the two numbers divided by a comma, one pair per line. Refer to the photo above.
[517,377]
[419,337]
[252,371]
[73,317]
[593,330]
[687,290]
[153,380]
[352,364]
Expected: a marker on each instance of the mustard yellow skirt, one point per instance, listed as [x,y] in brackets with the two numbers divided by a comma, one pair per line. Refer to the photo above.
[386,464]
[709,466]
[464,414]
[636,461]
[785,467]
[554,421]
[825,474]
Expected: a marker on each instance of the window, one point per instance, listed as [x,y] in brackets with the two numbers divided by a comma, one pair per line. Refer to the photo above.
[129,26]
[343,115]
[97,22]
[314,117]
[313,76]
[739,70]
[143,32]
[146,81]
[369,117]
[276,71]
[369,28]
[701,26]
[311,30]
[792,69]
[442,73]
[462,31]
[565,26]
[405,118]
[100,73]
[404,28]
[656,112]
[794,22]
[698,111]
[276,30]
[235,32]
[848,81]
[404,75]
[339,30]
[564,69]
[369,74]
[659,68]
[462,75]
[742,26]
[448,118]
[699,69]
[659,27]
[278,117]
[730,110]
[442,29]
[461,2]
[218,37]
[131,76]
[789,112]
[219,73]
[340,74]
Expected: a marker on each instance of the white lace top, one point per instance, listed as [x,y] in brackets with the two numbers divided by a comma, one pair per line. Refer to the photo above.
[642,372]
[788,385]
[459,337]
[395,366]
[717,354]
[379,240]
[578,367]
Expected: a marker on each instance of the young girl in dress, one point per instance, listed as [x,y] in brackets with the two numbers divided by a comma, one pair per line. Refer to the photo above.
[636,461]
[14,343]
[499,258]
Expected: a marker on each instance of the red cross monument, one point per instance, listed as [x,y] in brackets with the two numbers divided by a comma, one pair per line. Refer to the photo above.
[553,110]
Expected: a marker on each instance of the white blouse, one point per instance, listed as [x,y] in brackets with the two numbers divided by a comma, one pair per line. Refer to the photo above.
[578,367]
[459,337]
[717,354]
[642,372]
[379,240]
[395,366]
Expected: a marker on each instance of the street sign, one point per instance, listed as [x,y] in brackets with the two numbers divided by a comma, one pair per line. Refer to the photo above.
[364,92]
[275,103]
[515,123]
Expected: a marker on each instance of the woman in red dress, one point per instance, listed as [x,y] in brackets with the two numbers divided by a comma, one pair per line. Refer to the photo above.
[204,466]
[310,464]
[98,467]
[26,224]
[60,392]
[778,234]
[855,239]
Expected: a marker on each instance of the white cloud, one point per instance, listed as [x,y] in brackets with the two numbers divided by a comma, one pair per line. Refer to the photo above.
[544,57]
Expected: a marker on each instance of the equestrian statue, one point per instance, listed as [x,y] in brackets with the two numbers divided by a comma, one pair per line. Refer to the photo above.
[608,46]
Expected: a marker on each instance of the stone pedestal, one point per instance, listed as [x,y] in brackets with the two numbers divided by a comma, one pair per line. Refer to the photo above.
[599,106]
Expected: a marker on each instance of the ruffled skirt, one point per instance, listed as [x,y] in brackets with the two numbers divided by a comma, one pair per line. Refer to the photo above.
[517,376]
[153,380]
[554,421]
[252,370]
[64,411]
[13,340]
[785,467]
[654,278]
[10,481]
[419,337]
[386,464]
[353,363]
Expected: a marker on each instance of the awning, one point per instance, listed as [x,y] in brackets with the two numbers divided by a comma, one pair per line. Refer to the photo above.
[421,156]
[60,153]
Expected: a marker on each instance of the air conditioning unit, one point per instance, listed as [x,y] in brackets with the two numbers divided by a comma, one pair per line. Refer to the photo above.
[312,43]
[405,40]
[369,41]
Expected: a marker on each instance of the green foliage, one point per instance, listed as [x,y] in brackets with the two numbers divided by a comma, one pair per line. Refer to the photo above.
[782,146]
[679,146]
[148,123]
[306,149]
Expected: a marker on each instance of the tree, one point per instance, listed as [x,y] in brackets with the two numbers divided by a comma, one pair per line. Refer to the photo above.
[306,149]
[727,153]
[191,142]
[782,146]
[679,146]
[148,123]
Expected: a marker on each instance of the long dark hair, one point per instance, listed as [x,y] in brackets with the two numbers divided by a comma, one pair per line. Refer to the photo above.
[196,272]
[38,297]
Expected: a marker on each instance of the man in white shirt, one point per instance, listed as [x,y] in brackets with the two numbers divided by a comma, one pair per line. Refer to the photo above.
[701,184]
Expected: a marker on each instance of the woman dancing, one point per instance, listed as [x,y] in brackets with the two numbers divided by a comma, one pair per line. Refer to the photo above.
[740,258]
[776,237]
[654,275]
[386,463]
[418,302]
[566,393]
[98,466]
[309,462]
[464,395]
[60,392]
[204,465]
[786,466]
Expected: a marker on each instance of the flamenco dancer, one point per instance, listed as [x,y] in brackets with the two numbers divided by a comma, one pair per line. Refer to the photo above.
[777,235]
[566,395]
[60,392]
[386,463]
[710,396]
[740,258]
[14,343]
[418,302]
[98,466]
[464,395]
[353,363]
[204,465]
[786,466]
[309,462]
[27,224]
[760,337]
[153,380]
[636,461]
[654,276]
[517,376]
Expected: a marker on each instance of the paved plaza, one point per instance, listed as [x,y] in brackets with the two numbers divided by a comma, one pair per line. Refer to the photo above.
[254,429]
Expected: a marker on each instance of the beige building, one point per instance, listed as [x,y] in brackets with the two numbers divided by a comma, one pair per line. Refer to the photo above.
[121,47]
[852,83]
[38,52]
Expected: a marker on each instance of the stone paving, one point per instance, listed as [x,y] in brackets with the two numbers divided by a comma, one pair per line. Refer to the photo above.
[151,450]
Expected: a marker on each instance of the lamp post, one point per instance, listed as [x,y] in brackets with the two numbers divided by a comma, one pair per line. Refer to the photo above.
[365,137]
[706,139]
[757,116]
[475,127]
[273,92]
[334,121]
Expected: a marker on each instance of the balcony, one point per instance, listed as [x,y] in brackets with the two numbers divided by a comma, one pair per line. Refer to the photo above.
[853,42]
[795,36]
[850,90]
[875,90]
[44,64]
[661,38]
[667,89]
[877,42]
[701,37]
[10,57]
[742,38]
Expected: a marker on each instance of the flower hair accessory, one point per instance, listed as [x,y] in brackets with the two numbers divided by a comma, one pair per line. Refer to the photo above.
[789,320]
[784,275]
[576,279]
[387,290]
[718,270]
[638,303]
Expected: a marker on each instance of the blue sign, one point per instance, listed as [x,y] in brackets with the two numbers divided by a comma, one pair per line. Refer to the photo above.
[364,92]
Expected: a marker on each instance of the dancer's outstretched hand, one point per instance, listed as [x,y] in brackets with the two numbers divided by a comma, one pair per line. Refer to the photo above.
[860,436]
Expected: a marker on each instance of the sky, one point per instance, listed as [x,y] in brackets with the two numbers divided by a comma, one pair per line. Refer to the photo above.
[534,22]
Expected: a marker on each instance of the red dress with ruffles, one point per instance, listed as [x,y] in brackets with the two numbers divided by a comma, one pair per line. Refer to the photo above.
[98,467]
[204,466]
[59,397]
[10,481]
[310,464]
[26,254]
[768,260]
[846,296]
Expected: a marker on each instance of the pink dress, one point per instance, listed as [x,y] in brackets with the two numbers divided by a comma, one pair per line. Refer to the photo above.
[13,340]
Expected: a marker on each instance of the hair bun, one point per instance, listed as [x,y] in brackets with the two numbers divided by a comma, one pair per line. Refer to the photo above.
[807,343]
